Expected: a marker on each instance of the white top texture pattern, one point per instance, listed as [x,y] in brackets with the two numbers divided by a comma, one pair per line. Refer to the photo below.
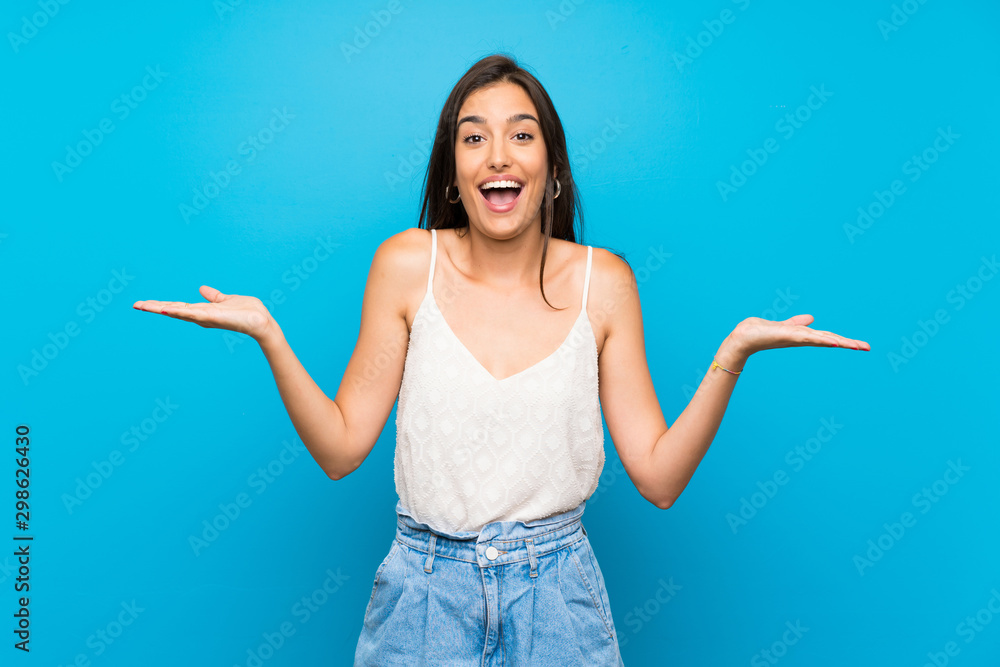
[472,449]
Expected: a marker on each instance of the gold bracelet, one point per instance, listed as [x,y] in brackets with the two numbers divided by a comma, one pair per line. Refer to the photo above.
[715,364]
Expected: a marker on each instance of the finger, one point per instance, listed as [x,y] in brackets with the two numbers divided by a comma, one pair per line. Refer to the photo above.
[820,338]
[212,294]
[151,306]
[845,342]
[830,341]
[188,312]
[157,306]
[860,345]
[836,340]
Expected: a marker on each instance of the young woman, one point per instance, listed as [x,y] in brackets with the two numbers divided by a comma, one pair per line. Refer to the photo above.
[492,325]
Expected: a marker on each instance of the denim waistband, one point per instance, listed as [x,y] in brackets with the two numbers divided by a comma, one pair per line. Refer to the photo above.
[506,541]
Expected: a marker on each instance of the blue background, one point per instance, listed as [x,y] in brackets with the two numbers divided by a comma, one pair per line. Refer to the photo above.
[651,136]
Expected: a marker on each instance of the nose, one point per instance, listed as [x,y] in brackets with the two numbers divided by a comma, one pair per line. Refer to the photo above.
[499,156]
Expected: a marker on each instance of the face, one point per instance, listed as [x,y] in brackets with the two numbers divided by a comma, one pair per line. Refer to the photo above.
[499,136]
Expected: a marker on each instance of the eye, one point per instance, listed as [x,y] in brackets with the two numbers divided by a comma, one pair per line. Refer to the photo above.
[520,136]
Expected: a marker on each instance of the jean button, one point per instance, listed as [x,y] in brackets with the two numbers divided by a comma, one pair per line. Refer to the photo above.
[492,553]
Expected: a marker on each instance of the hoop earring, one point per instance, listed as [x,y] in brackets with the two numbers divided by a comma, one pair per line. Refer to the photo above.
[450,200]
[558,189]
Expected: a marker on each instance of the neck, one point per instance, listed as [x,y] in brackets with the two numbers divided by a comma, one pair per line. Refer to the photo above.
[505,263]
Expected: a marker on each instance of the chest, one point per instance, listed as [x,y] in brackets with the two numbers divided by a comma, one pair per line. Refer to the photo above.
[502,345]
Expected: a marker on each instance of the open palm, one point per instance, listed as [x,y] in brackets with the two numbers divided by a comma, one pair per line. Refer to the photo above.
[245,314]
[755,334]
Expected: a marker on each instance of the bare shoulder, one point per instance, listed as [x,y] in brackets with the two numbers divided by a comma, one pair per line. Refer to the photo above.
[402,248]
[400,268]
[612,289]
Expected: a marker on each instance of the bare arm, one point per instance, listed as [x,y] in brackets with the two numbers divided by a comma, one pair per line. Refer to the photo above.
[659,460]
[338,433]
[318,420]
[678,452]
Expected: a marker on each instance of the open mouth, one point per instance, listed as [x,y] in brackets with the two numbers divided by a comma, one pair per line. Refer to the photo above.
[501,196]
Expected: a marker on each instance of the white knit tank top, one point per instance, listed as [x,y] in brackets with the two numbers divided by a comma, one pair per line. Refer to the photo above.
[472,449]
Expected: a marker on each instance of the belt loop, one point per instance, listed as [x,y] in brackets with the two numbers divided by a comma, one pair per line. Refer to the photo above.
[428,564]
[531,557]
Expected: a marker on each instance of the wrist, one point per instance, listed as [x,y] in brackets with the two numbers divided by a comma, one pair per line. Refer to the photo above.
[270,336]
[732,354]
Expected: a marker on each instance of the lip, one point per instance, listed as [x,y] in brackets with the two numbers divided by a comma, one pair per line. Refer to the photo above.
[501,177]
[502,208]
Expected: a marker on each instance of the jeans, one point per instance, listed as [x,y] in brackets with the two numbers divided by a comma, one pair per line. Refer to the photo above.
[515,593]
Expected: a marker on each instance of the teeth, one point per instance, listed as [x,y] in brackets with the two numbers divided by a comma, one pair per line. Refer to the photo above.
[499,184]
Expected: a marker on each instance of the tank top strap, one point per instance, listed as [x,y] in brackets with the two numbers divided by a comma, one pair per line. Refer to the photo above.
[430,273]
[586,281]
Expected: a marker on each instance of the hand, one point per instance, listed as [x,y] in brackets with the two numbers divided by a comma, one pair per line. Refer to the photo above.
[755,334]
[245,314]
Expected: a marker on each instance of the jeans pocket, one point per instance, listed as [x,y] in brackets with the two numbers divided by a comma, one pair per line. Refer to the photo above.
[586,565]
[393,550]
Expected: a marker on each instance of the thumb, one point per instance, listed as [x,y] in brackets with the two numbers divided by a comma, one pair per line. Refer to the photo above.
[800,319]
[212,294]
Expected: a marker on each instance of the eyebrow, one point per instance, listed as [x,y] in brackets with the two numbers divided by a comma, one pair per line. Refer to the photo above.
[513,119]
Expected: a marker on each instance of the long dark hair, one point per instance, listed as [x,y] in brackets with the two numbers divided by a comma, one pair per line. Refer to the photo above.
[558,215]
